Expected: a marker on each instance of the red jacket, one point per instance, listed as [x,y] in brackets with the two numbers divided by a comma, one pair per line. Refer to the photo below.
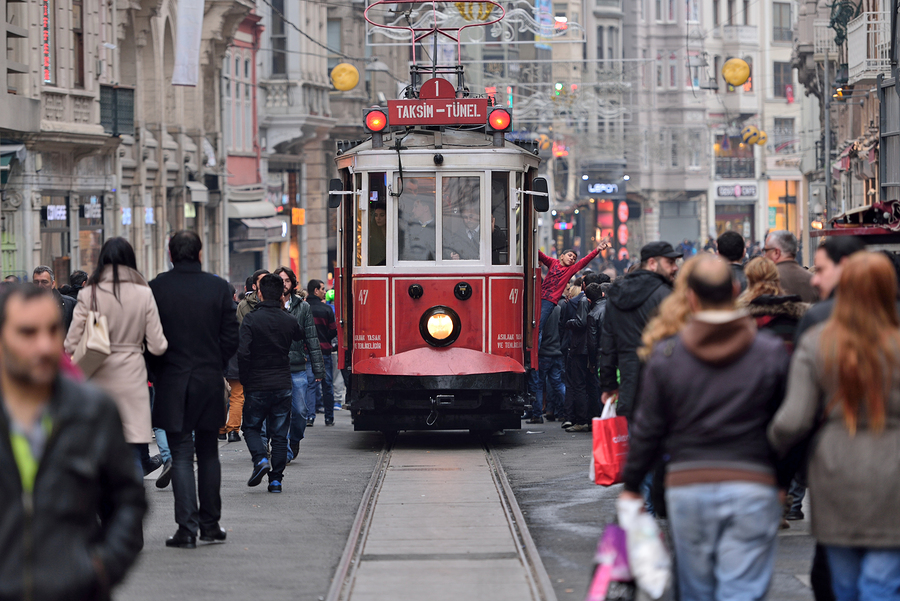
[553,286]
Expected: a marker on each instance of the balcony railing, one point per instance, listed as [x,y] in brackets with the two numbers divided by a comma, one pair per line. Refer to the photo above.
[868,46]
[740,34]
[734,168]
[824,39]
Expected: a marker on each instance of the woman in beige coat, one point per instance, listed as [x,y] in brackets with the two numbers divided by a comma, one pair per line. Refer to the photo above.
[125,299]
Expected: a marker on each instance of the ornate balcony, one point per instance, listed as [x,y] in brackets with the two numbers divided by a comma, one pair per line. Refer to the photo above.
[869,47]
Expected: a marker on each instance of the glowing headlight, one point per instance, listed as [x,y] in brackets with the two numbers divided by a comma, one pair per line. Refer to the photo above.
[440,326]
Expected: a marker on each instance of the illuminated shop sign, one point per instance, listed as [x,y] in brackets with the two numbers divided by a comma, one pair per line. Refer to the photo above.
[614,189]
[46,42]
[56,213]
[599,188]
[736,191]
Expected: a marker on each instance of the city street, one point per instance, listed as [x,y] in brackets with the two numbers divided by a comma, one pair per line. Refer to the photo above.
[288,546]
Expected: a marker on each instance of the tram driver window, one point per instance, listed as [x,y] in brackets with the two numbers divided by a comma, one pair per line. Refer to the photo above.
[415,220]
[500,218]
[461,218]
[377,220]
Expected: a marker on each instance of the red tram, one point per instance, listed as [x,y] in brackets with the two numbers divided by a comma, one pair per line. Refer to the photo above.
[437,293]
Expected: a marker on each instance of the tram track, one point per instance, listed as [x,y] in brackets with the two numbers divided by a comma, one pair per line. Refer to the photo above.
[510,548]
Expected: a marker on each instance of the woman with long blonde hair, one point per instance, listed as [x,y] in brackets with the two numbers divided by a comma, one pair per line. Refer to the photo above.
[773,310]
[845,380]
[673,313]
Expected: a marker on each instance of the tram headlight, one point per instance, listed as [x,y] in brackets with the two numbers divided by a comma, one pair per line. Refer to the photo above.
[440,326]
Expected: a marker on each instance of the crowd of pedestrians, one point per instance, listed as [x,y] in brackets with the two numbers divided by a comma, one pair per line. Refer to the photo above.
[745,379]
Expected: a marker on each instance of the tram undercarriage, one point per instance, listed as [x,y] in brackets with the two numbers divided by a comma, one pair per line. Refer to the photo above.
[475,402]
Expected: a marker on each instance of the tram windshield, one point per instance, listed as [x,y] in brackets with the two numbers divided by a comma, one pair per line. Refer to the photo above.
[415,219]
[461,217]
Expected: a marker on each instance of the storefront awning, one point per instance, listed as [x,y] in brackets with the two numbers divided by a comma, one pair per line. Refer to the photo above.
[8,152]
[197,192]
[267,229]
[251,210]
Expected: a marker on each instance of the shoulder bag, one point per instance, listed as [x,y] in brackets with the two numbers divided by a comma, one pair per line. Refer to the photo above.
[94,347]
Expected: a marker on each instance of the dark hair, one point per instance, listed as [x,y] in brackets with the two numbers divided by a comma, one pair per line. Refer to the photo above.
[115,251]
[78,279]
[569,250]
[593,292]
[604,287]
[255,277]
[290,274]
[248,283]
[271,287]
[313,285]
[28,292]
[841,247]
[712,288]
[185,247]
[592,278]
[731,246]
[43,269]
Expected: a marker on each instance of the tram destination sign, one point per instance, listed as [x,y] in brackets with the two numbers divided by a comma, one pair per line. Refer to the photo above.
[438,111]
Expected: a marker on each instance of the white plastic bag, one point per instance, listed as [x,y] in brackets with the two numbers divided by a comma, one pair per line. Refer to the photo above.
[650,563]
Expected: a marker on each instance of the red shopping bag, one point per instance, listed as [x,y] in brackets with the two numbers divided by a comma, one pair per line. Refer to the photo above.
[610,446]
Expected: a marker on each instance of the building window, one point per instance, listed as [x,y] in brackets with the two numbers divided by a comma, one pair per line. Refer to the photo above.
[674,149]
[658,13]
[694,148]
[237,101]
[748,85]
[278,39]
[645,150]
[612,47]
[715,12]
[784,140]
[661,149]
[78,43]
[645,72]
[226,101]
[783,78]
[746,18]
[334,43]
[673,17]
[660,81]
[693,69]
[730,15]
[693,11]
[600,54]
[717,60]
[673,71]
[781,22]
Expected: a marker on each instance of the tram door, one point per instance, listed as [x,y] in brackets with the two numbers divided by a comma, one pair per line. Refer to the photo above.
[349,255]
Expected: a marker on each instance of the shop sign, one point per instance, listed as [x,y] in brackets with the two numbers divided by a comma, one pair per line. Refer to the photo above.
[148,216]
[92,211]
[736,191]
[601,188]
[605,189]
[773,217]
[56,213]
[46,42]
[126,215]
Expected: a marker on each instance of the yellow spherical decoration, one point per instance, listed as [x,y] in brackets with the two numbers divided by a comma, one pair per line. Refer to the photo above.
[762,138]
[344,76]
[750,134]
[736,71]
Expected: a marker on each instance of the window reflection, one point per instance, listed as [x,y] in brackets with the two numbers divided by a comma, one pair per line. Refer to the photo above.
[461,227]
[415,220]
[377,220]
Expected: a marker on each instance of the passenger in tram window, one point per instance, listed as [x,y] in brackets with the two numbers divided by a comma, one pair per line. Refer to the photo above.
[378,234]
[417,233]
[465,244]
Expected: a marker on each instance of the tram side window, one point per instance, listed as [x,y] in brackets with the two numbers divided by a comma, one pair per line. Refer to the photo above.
[357,181]
[500,218]
[377,220]
[461,218]
[519,217]
[415,218]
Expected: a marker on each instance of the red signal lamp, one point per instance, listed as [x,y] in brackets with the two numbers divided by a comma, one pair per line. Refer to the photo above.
[376,120]
[499,119]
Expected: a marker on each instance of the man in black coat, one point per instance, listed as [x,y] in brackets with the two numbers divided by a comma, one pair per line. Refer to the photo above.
[198,318]
[633,299]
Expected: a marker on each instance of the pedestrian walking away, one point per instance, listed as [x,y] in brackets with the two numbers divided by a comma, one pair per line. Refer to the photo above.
[122,296]
[71,502]
[706,397]
[198,318]
[844,396]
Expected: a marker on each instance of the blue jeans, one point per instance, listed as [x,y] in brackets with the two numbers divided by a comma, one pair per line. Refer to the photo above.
[272,407]
[299,386]
[546,309]
[161,441]
[323,390]
[863,574]
[725,536]
[551,374]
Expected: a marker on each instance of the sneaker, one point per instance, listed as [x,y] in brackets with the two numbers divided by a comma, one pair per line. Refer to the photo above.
[309,423]
[262,468]
[274,486]
[338,407]
[152,464]
[566,424]
[535,420]
[329,422]
[579,428]
[794,515]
